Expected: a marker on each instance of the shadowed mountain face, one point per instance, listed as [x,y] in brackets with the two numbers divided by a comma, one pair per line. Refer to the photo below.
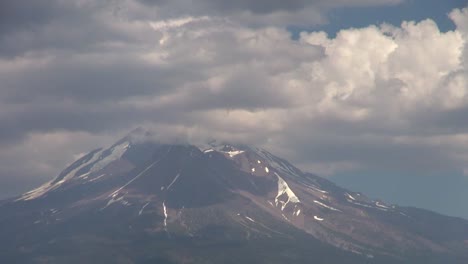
[142,202]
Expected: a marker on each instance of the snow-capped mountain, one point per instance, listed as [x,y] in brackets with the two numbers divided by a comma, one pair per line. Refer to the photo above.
[145,202]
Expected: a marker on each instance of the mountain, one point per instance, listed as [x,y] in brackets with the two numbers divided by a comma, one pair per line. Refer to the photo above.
[145,202]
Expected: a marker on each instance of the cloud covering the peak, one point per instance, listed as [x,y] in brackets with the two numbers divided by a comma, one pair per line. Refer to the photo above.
[79,74]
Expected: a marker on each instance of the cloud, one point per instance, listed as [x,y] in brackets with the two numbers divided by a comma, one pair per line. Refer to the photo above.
[381,96]
[262,12]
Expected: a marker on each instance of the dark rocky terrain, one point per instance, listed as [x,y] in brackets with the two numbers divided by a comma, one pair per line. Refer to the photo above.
[144,202]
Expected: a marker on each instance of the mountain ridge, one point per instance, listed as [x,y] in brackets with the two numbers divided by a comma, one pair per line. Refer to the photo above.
[218,194]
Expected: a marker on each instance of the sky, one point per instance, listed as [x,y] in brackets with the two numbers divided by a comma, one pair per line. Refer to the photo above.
[372,94]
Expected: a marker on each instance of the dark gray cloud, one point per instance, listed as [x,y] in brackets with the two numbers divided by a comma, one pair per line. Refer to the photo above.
[266,6]
[258,7]
[21,14]
[46,24]
[262,12]
[90,81]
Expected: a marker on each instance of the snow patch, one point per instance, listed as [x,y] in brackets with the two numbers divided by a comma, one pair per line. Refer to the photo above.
[99,163]
[250,219]
[173,181]
[97,178]
[165,214]
[283,188]
[350,197]
[72,173]
[112,201]
[318,218]
[38,192]
[381,205]
[382,209]
[116,153]
[326,206]
[316,189]
[143,208]
[361,204]
[267,170]
[41,190]
[126,203]
[234,153]
[134,179]
[276,163]
[253,169]
[84,176]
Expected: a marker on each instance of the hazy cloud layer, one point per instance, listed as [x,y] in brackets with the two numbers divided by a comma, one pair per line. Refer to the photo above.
[80,74]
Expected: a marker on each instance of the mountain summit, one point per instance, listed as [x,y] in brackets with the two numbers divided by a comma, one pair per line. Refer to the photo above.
[145,202]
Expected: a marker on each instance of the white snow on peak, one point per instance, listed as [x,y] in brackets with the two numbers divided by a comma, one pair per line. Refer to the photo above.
[112,201]
[165,214]
[276,163]
[143,208]
[116,153]
[381,205]
[38,192]
[378,205]
[221,149]
[134,179]
[326,206]
[72,173]
[84,176]
[208,150]
[99,163]
[350,197]
[361,204]
[250,219]
[41,190]
[116,192]
[126,203]
[234,153]
[318,218]
[315,188]
[283,188]
[173,181]
[97,178]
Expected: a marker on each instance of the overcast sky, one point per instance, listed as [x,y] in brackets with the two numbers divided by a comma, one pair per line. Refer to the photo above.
[372,93]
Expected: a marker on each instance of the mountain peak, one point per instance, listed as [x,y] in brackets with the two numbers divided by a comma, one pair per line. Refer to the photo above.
[228,192]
